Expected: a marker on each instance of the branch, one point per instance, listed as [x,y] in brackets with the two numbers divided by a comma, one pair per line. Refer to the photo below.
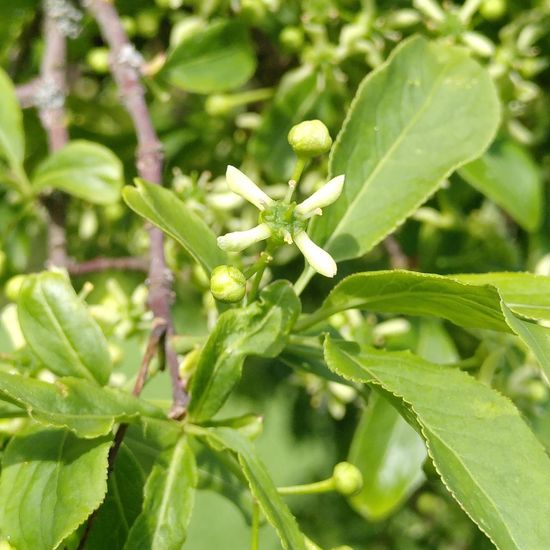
[105,264]
[50,100]
[26,93]
[125,66]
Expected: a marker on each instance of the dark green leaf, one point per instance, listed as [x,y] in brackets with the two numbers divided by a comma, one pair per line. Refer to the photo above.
[473,436]
[258,329]
[84,169]
[168,501]
[216,59]
[507,174]
[59,329]
[51,482]
[79,405]
[426,111]
[163,208]
[261,485]
[121,506]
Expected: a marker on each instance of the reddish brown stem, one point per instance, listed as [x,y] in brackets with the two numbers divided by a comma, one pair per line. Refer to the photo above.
[125,67]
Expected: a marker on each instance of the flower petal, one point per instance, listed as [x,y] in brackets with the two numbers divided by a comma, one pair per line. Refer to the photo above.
[318,259]
[242,185]
[321,198]
[239,240]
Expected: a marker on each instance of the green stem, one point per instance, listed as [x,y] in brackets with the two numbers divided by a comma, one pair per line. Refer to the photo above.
[299,168]
[255,529]
[303,280]
[319,487]
[314,318]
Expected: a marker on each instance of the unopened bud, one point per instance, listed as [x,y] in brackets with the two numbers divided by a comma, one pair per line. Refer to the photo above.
[227,284]
[493,9]
[13,286]
[348,480]
[310,138]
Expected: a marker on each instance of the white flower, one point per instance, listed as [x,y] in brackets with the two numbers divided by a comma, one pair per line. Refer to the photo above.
[321,198]
[239,240]
[288,227]
[317,258]
[242,185]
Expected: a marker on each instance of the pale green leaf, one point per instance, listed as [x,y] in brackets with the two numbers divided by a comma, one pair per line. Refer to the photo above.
[60,331]
[508,175]
[12,138]
[51,482]
[79,405]
[389,453]
[408,292]
[84,169]
[164,209]
[258,329]
[485,453]
[168,501]
[216,59]
[261,485]
[524,293]
[426,111]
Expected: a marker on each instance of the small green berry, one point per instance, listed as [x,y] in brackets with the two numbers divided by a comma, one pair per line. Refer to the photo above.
[227,284]
[348,480]
[493,9]
[310,138]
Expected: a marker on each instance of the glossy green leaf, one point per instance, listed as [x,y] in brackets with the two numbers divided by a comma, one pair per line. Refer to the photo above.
[390,455]
[164,209]
[258,329]
[51,482]
[524,293]
[408,292]
[12,139]
[122,503]
[84,169]
[473,435]
[60,331]
[261,485]
[508,175]
[216,59]
[168,501]
[79,405]
[394,149]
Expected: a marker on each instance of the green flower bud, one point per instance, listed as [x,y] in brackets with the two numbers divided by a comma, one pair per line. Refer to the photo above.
[310,138]
[292,38]
[348,480]
[493,9]
[227,284]
[13,286]
[98,59]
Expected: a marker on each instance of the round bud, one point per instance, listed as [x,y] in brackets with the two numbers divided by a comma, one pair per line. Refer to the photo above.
[292,38]
[348,480]
[227,284]
[13,286]
[493,9]
[309,138]
[98,59]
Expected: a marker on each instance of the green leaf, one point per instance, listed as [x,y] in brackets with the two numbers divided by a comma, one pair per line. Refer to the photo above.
[261,485]
[426,111]
[164,209]
[258,329]
[12,138]
[84,169]
[51,482]
[168,501]
[122,503]
[389,454]
[217,59]
[60,331]
[473,435]
[79,405]
[408,292]
[525,293]
[508,175]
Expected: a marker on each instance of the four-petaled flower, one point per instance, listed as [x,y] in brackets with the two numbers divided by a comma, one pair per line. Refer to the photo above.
[280,219]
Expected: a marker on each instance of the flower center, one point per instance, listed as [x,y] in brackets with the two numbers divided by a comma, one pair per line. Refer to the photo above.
[282,220]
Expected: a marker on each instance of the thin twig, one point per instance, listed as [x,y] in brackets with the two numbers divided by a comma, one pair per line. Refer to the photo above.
[125,66]
[99,264]
[398,259]
[51,109]
[26,93]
